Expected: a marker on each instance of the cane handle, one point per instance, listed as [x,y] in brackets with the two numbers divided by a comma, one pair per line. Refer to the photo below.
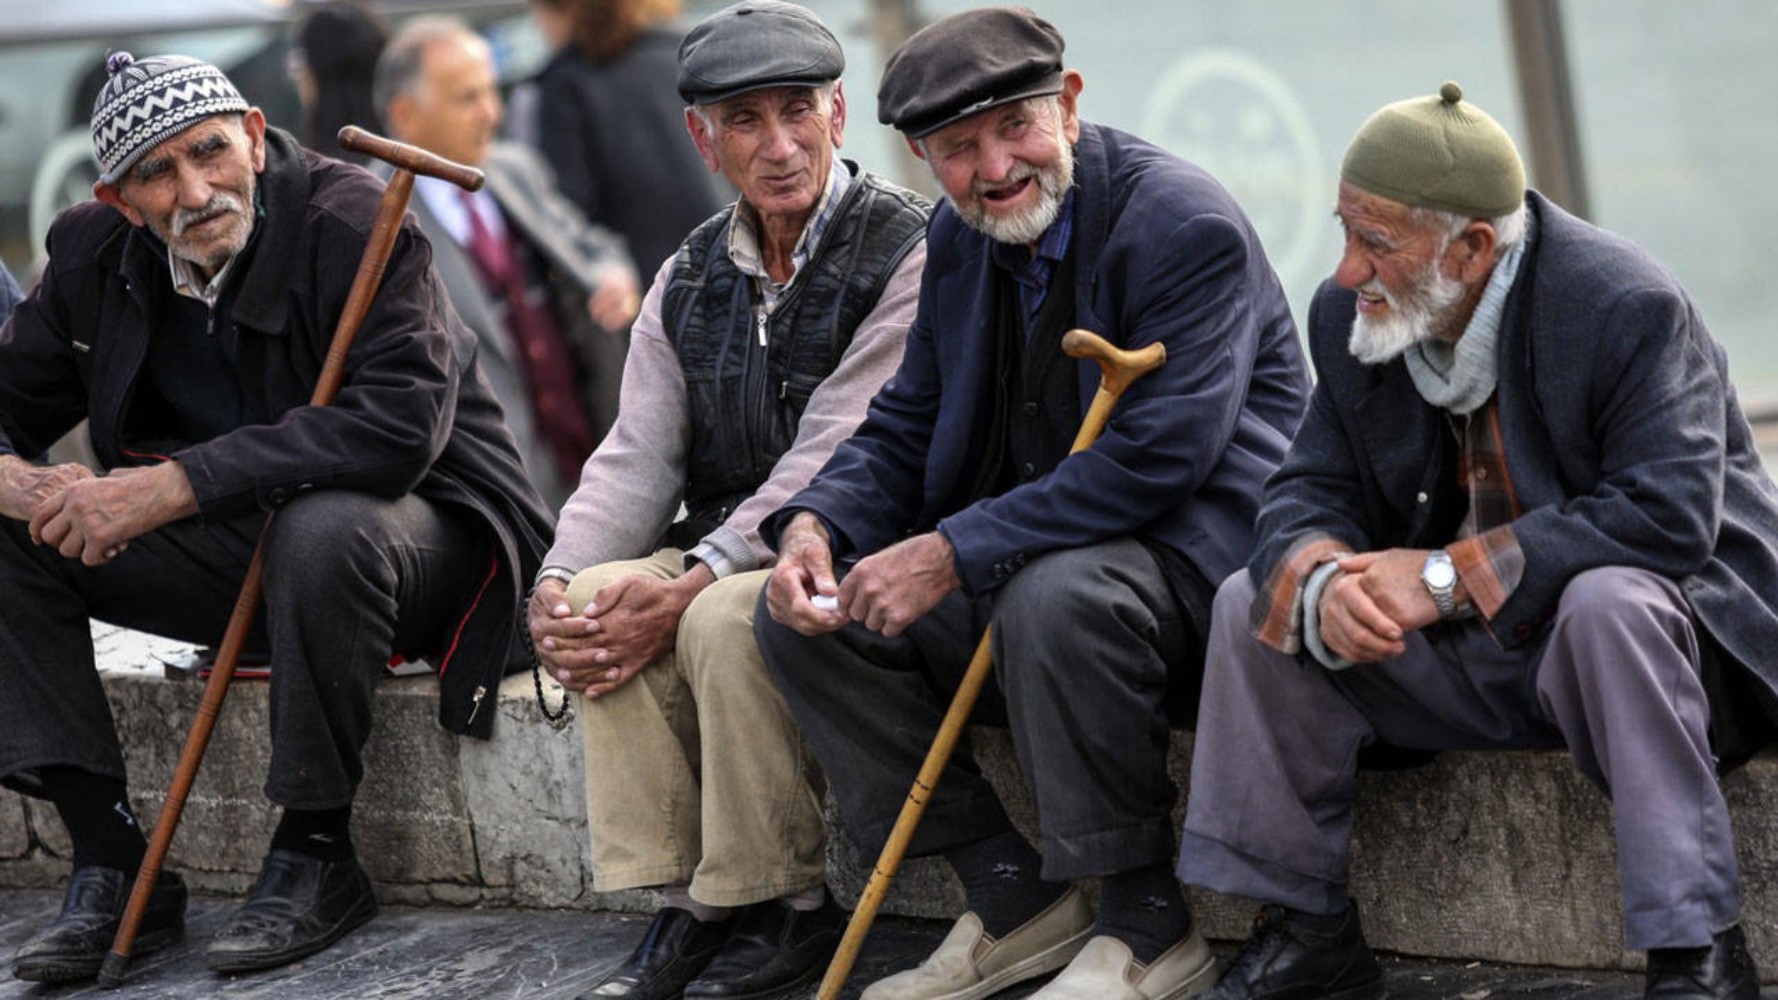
[410,158]
[1119,367]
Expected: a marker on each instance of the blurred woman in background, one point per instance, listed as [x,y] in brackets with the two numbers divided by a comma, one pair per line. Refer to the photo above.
[332,60]
[609,119]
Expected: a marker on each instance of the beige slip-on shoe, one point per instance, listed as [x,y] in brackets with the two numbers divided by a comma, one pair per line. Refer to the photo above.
[1105,970]
[969,964]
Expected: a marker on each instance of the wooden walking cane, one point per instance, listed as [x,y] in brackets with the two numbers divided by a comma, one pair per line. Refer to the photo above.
[1118,369]
[408,161]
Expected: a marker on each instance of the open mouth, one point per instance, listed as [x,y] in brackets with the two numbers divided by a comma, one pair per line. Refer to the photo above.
[1007,192]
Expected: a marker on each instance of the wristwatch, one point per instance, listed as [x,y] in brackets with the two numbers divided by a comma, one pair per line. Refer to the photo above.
[1440,577]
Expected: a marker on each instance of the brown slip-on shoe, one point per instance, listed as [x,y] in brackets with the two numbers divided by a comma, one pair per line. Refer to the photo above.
[1105,970]
[970,964]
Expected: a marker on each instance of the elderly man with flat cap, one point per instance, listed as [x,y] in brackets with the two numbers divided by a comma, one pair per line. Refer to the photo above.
[1524,510]
[186,313]
[756,352]
[956,505]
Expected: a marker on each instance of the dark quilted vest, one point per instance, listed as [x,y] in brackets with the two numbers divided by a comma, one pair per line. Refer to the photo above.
[745,400]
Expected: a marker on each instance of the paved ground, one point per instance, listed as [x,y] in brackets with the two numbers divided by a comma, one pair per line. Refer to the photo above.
[441,954]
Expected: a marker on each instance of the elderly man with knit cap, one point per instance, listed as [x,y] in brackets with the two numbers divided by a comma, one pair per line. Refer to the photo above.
[956,505]
[186,313]
[1522,511]
[756,352]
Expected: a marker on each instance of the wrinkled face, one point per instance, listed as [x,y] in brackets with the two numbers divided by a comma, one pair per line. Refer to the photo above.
[1397,267]
[195,190]
[454,108]
[1007,169]
[774,145]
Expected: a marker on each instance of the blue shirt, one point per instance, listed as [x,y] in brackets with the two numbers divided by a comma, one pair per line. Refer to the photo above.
[1033,272]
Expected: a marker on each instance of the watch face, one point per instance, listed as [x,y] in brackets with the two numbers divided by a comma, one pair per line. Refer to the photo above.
[1439,573]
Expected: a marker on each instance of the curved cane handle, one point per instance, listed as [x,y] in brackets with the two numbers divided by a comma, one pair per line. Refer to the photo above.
[1118,367]
[410,158]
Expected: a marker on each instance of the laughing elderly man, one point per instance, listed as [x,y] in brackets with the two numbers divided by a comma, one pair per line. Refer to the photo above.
[960,506]
[186,313]
[756,352]
[1523,511]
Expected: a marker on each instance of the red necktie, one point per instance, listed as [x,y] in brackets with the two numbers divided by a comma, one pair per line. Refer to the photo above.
[548,363]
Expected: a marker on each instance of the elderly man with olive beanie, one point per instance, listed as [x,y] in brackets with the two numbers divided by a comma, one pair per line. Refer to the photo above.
[1523,511]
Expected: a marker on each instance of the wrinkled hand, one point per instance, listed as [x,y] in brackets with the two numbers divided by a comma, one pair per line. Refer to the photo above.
[23,486]
[804,569]
[892,589]
[1375,601]
[614,304]
[559,635]
[93,519]
[631,622]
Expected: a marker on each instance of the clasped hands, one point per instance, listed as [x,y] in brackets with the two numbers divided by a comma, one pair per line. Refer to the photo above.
[1376,599]
[885,592]
[631,622]
[88,517]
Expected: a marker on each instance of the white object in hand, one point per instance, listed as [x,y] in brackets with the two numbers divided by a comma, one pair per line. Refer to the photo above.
[825,602]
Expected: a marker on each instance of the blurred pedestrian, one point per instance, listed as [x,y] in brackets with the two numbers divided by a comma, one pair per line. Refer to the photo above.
[611,124]
[332,59]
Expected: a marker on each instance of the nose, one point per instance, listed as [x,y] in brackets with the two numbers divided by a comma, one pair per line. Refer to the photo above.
[194,187]
[1355,268]
[777,144]
[996,162]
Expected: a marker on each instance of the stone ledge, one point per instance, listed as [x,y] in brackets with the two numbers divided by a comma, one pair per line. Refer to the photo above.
[1497,856]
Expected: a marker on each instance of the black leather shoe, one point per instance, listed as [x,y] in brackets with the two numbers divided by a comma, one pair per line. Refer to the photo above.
[298,906]
[75,945]
[774,949]
[1724,969]
[672,953]
[1294,955]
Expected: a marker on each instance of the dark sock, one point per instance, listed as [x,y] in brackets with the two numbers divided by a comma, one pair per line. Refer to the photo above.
[1000,880]
[96,811]
[1144,909]
[318,833]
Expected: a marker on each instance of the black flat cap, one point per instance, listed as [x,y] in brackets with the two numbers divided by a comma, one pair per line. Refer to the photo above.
[968,62]
[756,44]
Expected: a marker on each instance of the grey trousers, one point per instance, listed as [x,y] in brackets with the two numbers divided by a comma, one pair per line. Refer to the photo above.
[348,579]
[1083,641]
[1616,681]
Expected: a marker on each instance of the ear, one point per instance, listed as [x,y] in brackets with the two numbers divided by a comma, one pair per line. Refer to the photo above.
[1072,84]
[837,123]
[701,138]
[253,122]
[914,145]
[1472,252]
[112,195]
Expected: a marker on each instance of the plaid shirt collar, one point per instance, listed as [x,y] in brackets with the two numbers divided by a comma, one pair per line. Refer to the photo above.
[743,236]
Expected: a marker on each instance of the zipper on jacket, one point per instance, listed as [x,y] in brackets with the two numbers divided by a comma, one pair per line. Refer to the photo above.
[759,315]
[481,691]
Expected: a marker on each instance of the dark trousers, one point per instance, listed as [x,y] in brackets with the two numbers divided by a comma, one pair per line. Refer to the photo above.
[1084,643]
[348,579]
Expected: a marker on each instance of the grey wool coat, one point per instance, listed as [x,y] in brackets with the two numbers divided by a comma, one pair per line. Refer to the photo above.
[1624,441]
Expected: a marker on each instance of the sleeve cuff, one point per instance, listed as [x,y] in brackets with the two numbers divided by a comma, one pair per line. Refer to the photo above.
[711,556]
[1312,589]
[726,552]
[561,573]
[1490,565]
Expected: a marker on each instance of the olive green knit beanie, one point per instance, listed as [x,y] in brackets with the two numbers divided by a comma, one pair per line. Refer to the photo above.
[1438,152]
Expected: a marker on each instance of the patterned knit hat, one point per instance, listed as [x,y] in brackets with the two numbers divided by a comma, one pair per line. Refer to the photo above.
[148,101]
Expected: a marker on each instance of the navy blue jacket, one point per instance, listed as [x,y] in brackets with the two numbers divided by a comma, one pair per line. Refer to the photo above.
[1162,253]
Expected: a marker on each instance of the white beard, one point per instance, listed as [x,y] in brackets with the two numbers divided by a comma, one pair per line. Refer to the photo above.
[1027,226]
[1418,313]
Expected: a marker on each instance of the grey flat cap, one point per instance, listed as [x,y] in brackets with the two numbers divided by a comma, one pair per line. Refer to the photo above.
[966,63]
[756,44]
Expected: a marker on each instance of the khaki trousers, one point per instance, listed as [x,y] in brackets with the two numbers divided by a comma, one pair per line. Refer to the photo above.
[694,770]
